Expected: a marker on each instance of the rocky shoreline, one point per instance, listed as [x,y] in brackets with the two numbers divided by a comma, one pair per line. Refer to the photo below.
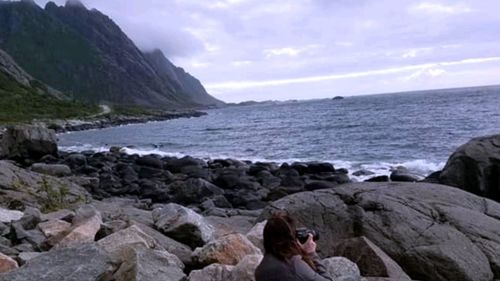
[165,218]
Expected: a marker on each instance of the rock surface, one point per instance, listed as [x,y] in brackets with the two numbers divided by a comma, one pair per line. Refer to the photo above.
[146,264]
[183,225]
[340,268]
[21,188]
[419,225]
[7,264]
[475,167]
[56,170]
[28,142]
[370,259]
[86,224]
[10,215]
[118,244]
[229,249]
[82,263]
[213,272]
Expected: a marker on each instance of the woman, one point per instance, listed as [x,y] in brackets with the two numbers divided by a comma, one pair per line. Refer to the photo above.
[286,259]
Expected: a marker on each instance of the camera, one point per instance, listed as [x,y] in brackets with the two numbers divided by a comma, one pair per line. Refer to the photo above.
[303,233]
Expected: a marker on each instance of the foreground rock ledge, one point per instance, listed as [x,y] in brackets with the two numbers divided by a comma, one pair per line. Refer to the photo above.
[434,232]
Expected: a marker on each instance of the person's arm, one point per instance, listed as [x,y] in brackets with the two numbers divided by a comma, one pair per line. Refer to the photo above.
[306,273]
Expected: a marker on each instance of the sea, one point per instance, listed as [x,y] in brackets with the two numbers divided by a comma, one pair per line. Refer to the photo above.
[417,130]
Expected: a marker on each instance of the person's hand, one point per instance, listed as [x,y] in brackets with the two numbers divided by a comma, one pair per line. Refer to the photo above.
[309,246]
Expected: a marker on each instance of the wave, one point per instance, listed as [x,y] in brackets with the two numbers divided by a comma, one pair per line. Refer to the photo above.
[418,167]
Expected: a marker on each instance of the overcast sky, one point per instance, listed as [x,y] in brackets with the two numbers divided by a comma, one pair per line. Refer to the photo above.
[301,49]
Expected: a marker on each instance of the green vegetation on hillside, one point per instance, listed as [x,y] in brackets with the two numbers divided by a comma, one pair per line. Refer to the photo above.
[19,103]
[47,49]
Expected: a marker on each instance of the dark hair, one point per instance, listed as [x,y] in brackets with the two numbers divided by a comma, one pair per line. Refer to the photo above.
[280,240]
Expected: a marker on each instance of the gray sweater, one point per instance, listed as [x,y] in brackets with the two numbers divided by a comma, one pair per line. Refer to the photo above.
[294,269]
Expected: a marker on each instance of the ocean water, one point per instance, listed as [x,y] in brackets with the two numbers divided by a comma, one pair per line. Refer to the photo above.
[377,132]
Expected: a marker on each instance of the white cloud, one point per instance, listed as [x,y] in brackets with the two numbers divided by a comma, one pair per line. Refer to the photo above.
[437,8]
[424,73]
[310,79]
[290,51]
[413,53]
[239,63]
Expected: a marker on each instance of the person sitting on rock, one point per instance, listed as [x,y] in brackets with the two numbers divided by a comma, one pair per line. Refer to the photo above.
[286,259]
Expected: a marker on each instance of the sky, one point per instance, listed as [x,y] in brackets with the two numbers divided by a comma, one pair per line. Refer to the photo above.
[303,49]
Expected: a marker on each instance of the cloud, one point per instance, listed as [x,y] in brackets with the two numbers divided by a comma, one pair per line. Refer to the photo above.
[290,51]
[436,8]
[425,73]
[428,68]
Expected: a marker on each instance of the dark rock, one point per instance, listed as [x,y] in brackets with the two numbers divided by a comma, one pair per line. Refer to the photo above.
[157,191]
[403,175]
[342,171]
[339,178]
[150,161]
[28,142]
[315,185]
[82,263]
[433,232]
[290,177]
[193,191]
[383,178]
[175,165]
[363,173]
[75,160]
[300,167]
[319,167]
[475,167]
[433,177]
[266,179]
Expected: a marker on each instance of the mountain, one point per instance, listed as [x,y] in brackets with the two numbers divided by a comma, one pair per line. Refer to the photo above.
[22,98]
[86,55]
[182,81]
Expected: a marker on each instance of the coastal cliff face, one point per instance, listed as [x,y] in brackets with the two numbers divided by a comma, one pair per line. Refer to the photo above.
[86,55]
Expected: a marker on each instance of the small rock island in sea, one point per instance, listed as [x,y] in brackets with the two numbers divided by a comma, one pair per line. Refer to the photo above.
[338,98]
[82,216]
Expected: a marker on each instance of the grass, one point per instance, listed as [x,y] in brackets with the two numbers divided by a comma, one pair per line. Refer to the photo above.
[19,103]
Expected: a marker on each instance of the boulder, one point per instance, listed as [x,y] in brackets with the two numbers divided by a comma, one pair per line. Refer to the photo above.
[56,170]
[245,269]
[229,249]
[147,264]
[183,225]
[193,191]
[119,243]
[28,142]
[83,263]
[402,174]
[183,252]
[315,185]
[123,209]
[10,215]
[213,272]
[86,224]
[371,260]
[22,188]
[382,178]
[340,268]
[54,227]
[63,214]
[433,232]
[256,235]
[7,264]
[475,167]
[24,257]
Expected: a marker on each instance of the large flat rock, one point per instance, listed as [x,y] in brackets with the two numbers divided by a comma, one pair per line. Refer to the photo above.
[433,232]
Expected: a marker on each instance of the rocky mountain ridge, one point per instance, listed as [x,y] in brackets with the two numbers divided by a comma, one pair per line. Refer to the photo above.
[86,55]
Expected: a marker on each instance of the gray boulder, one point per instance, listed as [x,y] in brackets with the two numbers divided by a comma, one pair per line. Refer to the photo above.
[82,263]
[28,142]
[56,170]
[475,167]
[433,232]
[147,264]
[341,268]
[22,188]
[10,215]
[371,260]
[183,225]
